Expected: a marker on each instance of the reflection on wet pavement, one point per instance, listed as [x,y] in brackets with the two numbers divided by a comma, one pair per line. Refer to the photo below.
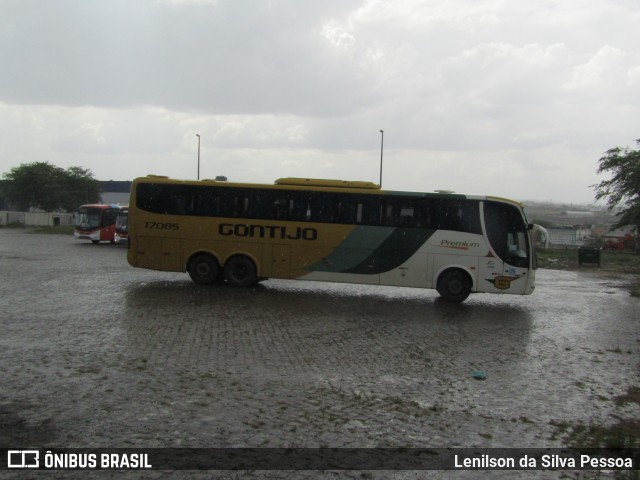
[141,358]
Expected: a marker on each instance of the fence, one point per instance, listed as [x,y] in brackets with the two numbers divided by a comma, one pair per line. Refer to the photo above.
[35,219]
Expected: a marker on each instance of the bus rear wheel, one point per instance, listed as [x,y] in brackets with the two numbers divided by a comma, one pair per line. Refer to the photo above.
[203,269]
[454,286]
[240,271]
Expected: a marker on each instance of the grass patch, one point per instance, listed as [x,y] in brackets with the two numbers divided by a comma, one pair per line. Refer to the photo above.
[13,225]
[632,396]
[58,230]
[624,434]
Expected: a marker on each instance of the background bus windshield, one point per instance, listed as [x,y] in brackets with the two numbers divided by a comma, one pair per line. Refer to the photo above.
[87,218]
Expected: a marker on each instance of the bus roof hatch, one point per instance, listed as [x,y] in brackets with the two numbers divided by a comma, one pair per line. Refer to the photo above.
[319,182]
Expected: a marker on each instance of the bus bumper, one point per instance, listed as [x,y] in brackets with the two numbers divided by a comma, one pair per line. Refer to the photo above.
[531,282]
[87,235]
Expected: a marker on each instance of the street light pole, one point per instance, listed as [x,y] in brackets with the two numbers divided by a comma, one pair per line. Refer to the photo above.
[381,149]
[198,135]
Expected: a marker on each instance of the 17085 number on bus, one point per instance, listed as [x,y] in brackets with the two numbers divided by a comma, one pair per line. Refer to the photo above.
[162,226]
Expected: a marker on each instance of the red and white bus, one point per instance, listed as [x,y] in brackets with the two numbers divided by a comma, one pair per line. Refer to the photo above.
[96,222]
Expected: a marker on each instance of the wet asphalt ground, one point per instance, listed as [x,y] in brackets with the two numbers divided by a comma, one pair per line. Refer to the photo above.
[95,353]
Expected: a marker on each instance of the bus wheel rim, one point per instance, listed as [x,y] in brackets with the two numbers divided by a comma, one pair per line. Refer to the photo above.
[203,269]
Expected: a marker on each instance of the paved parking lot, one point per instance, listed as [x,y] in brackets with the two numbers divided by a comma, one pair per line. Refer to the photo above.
[95,353]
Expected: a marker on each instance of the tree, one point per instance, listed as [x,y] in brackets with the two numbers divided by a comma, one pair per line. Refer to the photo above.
[81,188]
[623,188]
[44,186]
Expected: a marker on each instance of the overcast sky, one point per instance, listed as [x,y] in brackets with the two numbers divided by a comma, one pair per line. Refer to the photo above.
[501,97]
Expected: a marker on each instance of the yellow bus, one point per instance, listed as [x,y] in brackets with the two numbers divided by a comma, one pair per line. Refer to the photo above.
[330,230]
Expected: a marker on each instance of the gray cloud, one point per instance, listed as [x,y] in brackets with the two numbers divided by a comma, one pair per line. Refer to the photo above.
[222,57]
[511,87]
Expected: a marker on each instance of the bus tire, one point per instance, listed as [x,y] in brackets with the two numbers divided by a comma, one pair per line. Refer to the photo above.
[203,269]
[240,271]
[454,286]
[95,242]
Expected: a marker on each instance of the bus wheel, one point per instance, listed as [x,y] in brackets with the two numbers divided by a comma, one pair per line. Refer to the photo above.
[454,286]
[240,271]
[95,242]
[203,269]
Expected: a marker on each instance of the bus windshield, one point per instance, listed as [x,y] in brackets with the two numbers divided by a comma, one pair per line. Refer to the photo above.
[507,233]
[121,222]
[87,219]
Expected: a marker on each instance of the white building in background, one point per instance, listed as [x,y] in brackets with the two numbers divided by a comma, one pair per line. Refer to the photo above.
[35,219]
[576,214]
[569,237]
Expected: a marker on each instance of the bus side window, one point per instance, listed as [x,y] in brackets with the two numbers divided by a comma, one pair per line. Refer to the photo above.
[450,216]
[401,212]
[457,215]
[370,211]
[166,199]
[206,202]
[299,206]
[234,203]
[428,214]
[151,197]
[321,208]
[179,204]
[470,216]
[281,209]
[407,217]
[260,204]
[109,217]
[388,216]
[347,211]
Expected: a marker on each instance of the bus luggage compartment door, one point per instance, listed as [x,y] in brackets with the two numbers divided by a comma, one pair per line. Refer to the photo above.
[278,258]
[171,258]
[158,253]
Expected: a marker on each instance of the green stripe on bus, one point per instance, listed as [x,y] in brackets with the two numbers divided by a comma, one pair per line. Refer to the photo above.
[354,249]
[373,250]
[396,249]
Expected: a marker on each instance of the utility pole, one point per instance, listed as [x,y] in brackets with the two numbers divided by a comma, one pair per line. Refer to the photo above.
[381,150]
[198,135]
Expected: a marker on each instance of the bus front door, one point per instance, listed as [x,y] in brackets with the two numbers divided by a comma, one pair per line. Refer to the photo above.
[505,268]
